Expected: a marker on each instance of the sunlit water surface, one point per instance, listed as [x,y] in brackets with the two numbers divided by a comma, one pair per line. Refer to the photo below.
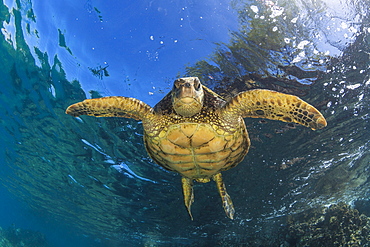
[90,181]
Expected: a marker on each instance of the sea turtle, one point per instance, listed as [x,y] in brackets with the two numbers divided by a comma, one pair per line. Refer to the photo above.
[194,132]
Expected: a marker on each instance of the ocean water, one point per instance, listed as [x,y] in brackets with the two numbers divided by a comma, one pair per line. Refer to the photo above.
[85,181]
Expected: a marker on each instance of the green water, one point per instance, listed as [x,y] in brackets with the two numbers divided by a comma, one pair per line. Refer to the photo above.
[94,176]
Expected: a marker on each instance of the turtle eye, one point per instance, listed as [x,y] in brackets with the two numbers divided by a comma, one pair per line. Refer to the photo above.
[177,83]
[196,84]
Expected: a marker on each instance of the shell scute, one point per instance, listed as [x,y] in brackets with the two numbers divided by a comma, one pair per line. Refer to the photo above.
[212,157]
[215,145]
[189,129]
[237,143]
[237,151]
[176,136]
[174,160]
[202,135]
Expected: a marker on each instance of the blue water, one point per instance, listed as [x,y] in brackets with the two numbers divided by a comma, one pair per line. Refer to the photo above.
[89,182]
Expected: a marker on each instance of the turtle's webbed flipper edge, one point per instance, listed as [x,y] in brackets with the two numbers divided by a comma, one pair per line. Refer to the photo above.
[226,200]
[115,106]
[187,189]
[261,103]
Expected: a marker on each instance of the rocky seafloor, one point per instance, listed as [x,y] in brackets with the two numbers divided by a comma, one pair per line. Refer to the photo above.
[337,225]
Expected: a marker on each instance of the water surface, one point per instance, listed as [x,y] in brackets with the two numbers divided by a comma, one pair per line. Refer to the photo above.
[91,179]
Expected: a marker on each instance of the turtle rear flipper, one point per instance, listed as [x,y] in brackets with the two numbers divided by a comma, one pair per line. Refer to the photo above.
[187,189]
[261,103]
[111,107]
[226,200]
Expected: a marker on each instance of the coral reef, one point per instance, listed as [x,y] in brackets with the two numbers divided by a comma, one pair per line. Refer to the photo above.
[338,225]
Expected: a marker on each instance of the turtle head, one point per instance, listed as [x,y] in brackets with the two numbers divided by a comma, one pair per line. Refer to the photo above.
[187,96]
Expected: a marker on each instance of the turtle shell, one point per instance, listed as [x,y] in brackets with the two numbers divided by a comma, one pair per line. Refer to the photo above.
[197,147]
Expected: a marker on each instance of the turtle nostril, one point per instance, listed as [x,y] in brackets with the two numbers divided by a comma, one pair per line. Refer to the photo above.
[187,85]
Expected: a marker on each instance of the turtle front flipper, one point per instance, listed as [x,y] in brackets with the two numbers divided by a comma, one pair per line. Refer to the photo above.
[261,103]
[187,189]
[226,200]
[111,107]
